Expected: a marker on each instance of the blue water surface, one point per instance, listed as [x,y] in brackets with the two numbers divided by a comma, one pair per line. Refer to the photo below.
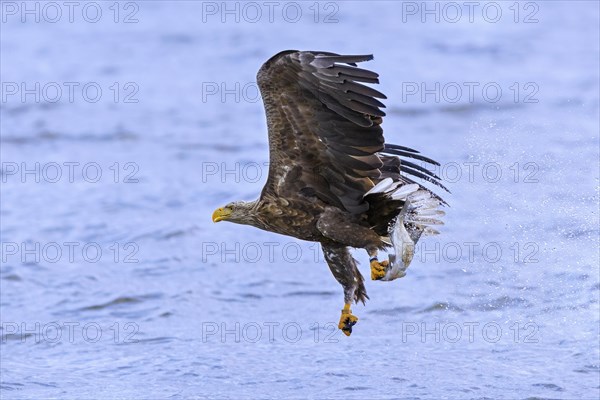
[122,131]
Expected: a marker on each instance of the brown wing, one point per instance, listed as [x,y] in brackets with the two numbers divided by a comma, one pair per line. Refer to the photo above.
[324,127]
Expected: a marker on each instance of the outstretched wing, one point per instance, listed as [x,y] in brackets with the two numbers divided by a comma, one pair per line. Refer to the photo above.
[324,127]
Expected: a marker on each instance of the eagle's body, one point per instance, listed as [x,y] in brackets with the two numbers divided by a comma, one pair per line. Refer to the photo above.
[332,178]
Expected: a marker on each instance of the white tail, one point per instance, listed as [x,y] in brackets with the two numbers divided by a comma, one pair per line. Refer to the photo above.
[416,217]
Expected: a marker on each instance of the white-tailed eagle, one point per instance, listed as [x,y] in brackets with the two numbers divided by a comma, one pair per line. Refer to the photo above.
[332,178]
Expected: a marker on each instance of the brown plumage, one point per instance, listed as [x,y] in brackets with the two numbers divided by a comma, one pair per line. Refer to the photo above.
[327,151]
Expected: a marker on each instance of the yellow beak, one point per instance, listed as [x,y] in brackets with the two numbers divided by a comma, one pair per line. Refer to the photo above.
[221,214]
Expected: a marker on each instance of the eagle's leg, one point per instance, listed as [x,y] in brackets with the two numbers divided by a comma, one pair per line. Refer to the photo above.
[338,226]
[343,267]
[378,269]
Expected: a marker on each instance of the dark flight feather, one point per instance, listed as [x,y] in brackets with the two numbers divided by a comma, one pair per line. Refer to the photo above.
[325,121]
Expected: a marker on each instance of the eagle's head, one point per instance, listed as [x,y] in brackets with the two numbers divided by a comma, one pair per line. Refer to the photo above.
[240,212]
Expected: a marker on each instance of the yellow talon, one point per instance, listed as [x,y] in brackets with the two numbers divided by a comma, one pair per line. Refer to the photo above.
[347,320]
[378,269]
